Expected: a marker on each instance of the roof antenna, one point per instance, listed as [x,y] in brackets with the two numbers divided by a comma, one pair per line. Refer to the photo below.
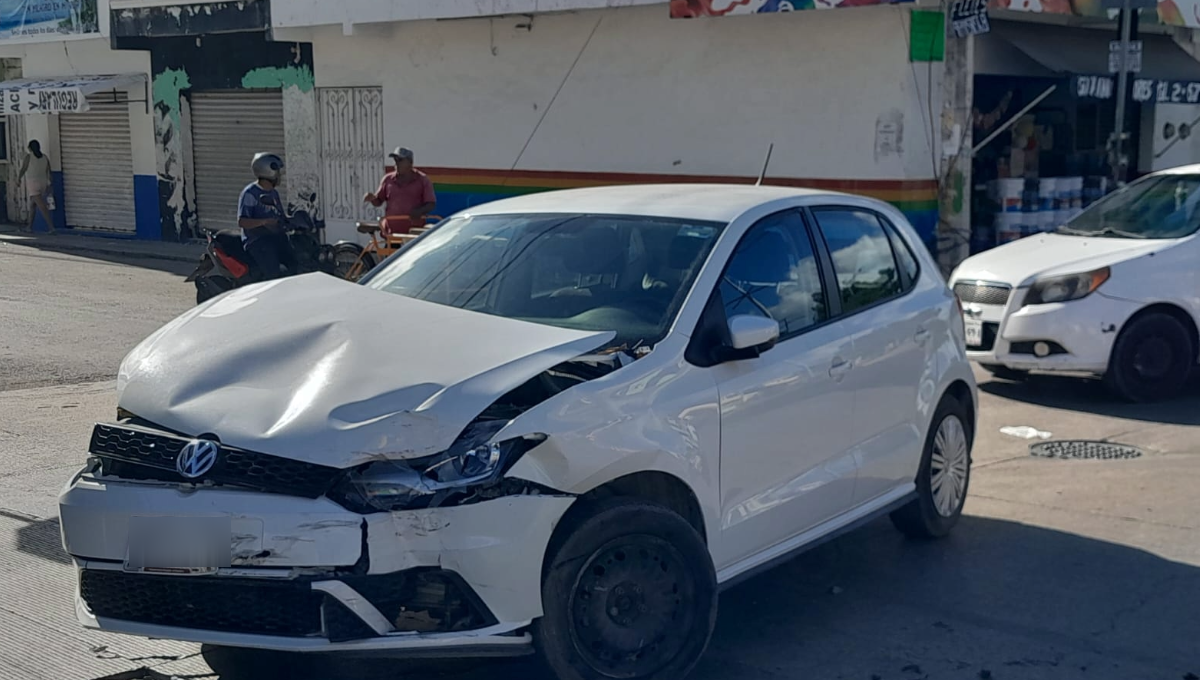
[766,164]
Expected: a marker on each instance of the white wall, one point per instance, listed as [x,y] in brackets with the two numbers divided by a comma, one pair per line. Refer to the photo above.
[88,57]
[299,13]
[648,94]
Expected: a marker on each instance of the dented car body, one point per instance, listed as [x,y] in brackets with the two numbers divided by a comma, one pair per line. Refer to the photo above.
[404,466]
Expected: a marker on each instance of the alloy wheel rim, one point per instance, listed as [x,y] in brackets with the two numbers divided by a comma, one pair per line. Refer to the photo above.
[949,466]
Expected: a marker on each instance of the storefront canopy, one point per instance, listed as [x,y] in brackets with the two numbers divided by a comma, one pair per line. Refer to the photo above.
[1024,49]
[60,95]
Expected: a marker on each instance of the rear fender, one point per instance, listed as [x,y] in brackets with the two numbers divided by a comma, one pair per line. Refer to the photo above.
[205,266]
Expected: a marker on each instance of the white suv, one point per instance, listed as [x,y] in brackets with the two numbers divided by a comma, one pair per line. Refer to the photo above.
[563,420]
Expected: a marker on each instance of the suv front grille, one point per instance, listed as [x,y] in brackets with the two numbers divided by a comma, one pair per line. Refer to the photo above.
[134,452]
[983,293]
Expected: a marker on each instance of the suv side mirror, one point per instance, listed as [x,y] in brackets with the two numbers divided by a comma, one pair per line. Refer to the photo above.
[750,336]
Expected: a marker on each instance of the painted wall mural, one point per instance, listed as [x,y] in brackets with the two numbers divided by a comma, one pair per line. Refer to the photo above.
[1170,12]
[686,9]
[29,18]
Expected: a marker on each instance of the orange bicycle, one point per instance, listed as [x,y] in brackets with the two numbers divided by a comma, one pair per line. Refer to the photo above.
[352,261]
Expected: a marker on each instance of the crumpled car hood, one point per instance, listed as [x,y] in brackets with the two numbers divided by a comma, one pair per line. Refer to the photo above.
[324,371]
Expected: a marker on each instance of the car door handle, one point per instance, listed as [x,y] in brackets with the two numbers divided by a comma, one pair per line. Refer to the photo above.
[840,368]
[922,336]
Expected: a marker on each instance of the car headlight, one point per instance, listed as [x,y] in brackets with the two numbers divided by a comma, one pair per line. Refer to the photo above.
[472,461]
[1066,288]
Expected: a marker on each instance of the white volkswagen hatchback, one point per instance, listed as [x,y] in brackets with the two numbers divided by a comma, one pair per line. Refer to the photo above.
[1115,292]
[559,422]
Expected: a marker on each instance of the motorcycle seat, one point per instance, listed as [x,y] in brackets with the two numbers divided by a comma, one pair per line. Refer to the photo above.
[368,227]
[230,241]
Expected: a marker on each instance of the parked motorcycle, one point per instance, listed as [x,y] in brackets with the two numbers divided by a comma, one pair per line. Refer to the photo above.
[226,265]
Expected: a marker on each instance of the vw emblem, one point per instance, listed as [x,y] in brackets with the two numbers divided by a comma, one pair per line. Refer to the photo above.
[197,458]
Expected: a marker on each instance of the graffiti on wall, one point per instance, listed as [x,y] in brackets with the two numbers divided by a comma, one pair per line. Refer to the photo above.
[1170,12]
[26,18]
[686,9]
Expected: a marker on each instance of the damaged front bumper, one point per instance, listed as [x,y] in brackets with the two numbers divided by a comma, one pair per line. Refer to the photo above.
[310,576]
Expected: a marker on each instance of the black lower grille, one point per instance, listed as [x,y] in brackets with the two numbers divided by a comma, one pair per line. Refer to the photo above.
[136,452]
[253,606]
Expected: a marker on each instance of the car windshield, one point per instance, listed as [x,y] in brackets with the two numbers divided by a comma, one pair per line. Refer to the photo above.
[587,272]
[1163,206]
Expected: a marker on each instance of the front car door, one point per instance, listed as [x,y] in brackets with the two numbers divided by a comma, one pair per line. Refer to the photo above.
[893,319]
[785,416]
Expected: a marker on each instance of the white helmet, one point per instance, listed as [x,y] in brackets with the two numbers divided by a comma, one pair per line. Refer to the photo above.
[267,166]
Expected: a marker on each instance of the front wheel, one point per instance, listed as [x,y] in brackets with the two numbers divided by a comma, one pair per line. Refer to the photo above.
[630,593]
[944,475]
[1151,359]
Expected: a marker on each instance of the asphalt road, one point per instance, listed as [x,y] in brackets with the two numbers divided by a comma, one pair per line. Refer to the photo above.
[1062,569]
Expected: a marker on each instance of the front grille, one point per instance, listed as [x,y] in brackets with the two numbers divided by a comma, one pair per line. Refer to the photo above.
[983,293]
[134,452]
[253,606]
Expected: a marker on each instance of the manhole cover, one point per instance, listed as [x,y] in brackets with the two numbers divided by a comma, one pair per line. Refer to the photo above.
[1084,450]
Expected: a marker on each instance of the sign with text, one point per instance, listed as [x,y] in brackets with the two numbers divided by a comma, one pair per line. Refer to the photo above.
[1145,90]
[31,18]
[1133,60]
[22,101]
[969,17]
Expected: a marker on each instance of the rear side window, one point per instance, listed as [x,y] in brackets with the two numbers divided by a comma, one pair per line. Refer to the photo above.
[863,261]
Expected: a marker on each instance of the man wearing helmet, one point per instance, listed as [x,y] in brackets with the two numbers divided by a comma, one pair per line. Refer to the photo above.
[260,217]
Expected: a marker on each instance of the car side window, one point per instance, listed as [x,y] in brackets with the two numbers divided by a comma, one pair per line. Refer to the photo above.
[774,273]
[863,261]
[908,261]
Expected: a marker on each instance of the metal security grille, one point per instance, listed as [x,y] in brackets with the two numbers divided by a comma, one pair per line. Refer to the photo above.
[228,128]
[352,150]
[1084,450]
[983,293]
[97,163]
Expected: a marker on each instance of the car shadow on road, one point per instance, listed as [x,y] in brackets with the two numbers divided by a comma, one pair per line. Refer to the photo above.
[997,599]
[1091,396]
[103,250]
[39,537]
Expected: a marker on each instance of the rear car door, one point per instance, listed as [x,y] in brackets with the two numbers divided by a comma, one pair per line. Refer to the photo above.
[785,416]
[893,321]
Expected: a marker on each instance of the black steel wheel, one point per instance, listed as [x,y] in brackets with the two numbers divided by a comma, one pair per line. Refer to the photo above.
[1151,360]
[629,593]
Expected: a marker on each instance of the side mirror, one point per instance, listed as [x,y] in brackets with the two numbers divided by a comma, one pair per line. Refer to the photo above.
[750,336]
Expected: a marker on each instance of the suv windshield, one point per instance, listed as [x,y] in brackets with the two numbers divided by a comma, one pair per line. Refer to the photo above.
[586,272]
[1164,206]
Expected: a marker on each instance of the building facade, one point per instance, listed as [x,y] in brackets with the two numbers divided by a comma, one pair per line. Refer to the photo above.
[505,98]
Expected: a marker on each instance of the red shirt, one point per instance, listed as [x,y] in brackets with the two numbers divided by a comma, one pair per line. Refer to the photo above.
[402,197]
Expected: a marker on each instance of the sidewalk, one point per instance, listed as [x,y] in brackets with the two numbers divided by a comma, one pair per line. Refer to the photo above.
[74,241]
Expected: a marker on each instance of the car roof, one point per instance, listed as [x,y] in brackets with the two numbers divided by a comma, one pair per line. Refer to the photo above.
[1181,170]
[709,202]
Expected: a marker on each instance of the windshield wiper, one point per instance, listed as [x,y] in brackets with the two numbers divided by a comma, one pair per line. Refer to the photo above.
[1109,231]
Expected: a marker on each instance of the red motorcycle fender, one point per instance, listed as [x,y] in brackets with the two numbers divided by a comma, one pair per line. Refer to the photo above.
[205,266]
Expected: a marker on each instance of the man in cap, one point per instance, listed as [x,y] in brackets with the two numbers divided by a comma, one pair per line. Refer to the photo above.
[407,192]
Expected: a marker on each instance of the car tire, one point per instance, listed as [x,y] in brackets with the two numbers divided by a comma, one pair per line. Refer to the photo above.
[659,606]
[1006,373]
[946,461]
[209,287]
[1151,360]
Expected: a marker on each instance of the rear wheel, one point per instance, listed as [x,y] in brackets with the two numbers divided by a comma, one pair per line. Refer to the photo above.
[629,593]
[347,263]
[1151,359]
[944,475]
[209,287]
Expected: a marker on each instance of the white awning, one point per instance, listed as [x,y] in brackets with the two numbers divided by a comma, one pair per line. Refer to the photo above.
[67,94]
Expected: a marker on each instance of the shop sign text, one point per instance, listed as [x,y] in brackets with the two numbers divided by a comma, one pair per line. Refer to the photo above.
[1145,90]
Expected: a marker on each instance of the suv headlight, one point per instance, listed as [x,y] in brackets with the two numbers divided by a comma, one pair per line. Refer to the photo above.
[1066,288]
[433,481]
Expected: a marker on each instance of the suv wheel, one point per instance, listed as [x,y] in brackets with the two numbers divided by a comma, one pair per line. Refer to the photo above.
[1151,359]
[944,476]
[630,592]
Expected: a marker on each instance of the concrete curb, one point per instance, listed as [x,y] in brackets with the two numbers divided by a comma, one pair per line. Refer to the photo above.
[138,250]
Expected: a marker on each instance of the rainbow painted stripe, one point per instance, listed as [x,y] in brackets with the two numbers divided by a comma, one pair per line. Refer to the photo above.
[460,188]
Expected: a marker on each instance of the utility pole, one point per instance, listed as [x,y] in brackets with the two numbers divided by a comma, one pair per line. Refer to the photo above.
[1119,158]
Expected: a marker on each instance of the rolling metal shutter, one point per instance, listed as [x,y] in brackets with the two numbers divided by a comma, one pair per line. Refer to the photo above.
[97,166]
[228,128]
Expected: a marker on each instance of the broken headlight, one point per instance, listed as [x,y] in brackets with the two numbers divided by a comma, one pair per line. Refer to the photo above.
[434,481]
